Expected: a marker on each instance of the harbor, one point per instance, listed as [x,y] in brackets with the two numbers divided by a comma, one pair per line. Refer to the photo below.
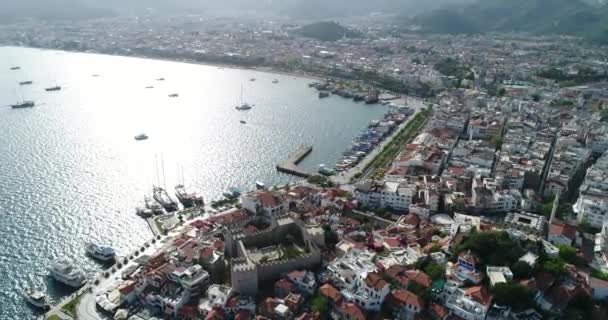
[290,166]
[101,173]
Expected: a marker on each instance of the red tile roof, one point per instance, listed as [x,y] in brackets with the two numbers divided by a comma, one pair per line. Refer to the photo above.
[243,315]
[402,298]
[419,277]
[480,294]
[439,310]
[563,229]
[330,292]
[374,280]
[352,311]
[270,199]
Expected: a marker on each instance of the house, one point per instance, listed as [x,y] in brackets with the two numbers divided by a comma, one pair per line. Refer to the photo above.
[466,268]
[331,293]
[304,281]
[599,288]
[561,234]
[271,203]
[405,304]
[529,258]
[349,311]
[438,312]
[470,303]
[370,293]
[283,287]
[498,274]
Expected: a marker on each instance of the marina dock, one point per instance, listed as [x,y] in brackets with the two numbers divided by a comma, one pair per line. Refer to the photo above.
[290,165]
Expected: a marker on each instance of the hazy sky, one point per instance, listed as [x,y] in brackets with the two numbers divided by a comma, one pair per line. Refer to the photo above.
[304,8]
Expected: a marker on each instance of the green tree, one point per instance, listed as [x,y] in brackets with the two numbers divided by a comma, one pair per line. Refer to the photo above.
[513,295]
[331,237]
[555,266]
[435,271]
[320,304]
[522,270]
[568,254]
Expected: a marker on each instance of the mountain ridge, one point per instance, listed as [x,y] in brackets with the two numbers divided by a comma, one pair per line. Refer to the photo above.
[568,17]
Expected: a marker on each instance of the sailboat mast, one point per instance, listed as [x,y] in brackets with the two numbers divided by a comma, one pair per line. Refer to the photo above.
[162,159]
[156,165]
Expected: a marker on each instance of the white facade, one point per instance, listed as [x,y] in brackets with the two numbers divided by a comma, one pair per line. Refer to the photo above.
[465,306]
[385,195]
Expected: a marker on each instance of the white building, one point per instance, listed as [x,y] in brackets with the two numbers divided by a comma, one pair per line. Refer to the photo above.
[369,293]
[592,203]
[385,194]
[270,203]
[498,274]
[470,303]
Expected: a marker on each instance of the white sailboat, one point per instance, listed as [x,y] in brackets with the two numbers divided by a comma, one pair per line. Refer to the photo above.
[243,105]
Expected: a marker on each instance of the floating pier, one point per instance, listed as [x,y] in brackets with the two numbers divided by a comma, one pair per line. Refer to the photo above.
[290,165]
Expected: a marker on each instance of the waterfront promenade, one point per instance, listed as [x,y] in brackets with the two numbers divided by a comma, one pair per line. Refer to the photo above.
[347,176]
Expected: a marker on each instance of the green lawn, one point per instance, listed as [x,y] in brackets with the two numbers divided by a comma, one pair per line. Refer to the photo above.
[70,307]
[54,317]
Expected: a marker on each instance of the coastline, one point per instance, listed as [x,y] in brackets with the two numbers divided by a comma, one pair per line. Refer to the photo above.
[258,68]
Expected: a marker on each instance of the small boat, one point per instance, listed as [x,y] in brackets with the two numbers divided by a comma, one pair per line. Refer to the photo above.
[232,193]
[15,68]
[173,95]
[55,88]
[23,105]
[323,94]
[153,206]
[150,87]
[260,185]
[100,252]
[275,81]
[25,83]
[243,122]
[144,212]
[252,79]
[95,75]
[160,79]
[141,136]
[36,298]
[326,171]
[244,106]
[65,272]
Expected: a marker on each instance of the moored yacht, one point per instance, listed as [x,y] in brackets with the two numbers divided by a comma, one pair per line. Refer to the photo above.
[25,83]
[161,196]
[63,271]
[153,206]
[55,88]
[24,104]
[36,298]
[326,171]
[141,136]
[188,199]
[100,252]
[15,68]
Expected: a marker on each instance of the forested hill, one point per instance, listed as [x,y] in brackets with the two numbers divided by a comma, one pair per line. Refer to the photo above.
[571,17]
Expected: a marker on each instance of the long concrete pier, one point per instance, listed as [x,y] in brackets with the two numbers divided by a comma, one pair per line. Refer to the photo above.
[290,165]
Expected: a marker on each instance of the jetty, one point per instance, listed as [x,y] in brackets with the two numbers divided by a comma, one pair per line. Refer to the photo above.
[290,165]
